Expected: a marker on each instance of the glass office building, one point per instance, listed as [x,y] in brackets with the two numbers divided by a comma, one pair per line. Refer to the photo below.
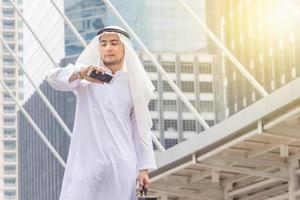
[88,17]
[164,26]
[12,33]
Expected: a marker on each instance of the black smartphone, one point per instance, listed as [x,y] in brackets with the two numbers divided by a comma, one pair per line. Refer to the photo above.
[104,77]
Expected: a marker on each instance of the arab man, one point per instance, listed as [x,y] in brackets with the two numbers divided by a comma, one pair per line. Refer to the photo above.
[111,144]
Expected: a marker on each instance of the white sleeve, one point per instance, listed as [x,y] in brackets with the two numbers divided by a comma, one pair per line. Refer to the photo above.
[58,78]
[145,155]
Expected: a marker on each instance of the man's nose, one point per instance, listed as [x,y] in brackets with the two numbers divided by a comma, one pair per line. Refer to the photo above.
[108,47]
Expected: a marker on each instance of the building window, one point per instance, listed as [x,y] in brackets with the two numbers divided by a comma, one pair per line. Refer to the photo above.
[8,24]
[9,36]
[21,84]
[187,86]
[185,108]
[169,105]
[206,87]
[11,46]
[9,133]
[11,84]
[9,157]
[210,122]
[9,108]
[189,125]
[9,145]
[155,126]
[9,120]
[153,105]
[154,84]
[170,142]
[9,169]
[169,66]
[20,47]
[8,61]
[167,87]
[9,181]
[9,194]
[7,97]
[170,125]
[205,68]
[186,67]
[207,106]
[9,72]
[8,12]
[6,2]
[149,67]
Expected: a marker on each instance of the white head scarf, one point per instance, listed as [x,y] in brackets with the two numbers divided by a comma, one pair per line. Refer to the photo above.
[140,85]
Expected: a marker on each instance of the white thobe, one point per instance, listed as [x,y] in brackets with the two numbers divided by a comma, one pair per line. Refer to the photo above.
[105,152]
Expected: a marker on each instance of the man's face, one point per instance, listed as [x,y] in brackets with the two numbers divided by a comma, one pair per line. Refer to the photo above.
[111,49]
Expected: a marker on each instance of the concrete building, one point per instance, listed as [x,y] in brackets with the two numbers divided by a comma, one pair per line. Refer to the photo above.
[193,74]
[11,31]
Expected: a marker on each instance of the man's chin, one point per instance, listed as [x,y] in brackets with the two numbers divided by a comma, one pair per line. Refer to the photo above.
[110,63]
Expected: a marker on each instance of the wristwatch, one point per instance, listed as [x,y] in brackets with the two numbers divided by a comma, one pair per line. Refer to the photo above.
[77,72]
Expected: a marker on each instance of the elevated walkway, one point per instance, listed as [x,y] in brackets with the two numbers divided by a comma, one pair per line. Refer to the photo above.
[254,154]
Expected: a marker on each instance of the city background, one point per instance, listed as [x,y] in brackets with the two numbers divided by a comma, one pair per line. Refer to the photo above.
[226,59]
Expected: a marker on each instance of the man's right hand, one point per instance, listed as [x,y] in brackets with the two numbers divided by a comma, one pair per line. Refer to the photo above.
[85,72]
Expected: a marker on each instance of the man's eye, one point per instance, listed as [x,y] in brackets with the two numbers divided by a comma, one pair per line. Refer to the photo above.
[103,44]
[115,43]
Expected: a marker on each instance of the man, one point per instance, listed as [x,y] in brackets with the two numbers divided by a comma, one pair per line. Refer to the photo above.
[111,142]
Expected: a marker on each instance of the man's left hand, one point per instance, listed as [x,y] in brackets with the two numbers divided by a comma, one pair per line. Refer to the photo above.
[143,178]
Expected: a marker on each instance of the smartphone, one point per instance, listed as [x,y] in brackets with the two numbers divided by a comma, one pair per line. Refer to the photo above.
[104,77]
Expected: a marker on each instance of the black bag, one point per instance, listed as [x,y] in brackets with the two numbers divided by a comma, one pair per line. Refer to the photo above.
[143,195]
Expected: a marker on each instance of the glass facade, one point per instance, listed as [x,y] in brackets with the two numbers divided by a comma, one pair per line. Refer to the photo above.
[88,17]
[163,26]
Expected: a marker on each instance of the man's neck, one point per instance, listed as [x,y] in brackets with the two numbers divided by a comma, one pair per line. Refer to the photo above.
[115,68]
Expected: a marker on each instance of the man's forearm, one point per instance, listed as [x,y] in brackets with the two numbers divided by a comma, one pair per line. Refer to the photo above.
[73,77]
[76,75]
[83,72]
